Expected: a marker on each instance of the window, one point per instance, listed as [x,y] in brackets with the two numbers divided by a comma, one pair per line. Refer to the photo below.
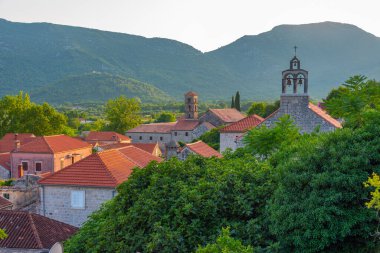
[6,195]
[62,162]
[150,138]
[175,133]
[77,199]
[72,159]
[140,138]
[130,137]
[187,134]
[24,165]
[189,100]
[38,166]
[161,138]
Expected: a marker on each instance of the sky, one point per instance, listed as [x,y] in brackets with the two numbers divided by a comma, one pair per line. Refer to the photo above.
[203,24]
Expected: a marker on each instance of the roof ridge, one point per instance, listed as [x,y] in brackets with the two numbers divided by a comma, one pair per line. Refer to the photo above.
[194,142]
[35,232]
[47,143]
[107,168]
[130,159]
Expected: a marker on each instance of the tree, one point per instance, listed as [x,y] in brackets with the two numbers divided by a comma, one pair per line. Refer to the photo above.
[19,115]
[225,244]
[319,204]
[122,114]
[212,138]
[3,234]
[233,102]
[177,205]
[237,101]
[263,109]
[166,117]
[264,141]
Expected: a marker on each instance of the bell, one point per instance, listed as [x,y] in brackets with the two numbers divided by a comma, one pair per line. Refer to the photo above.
[300,81]
[289,82]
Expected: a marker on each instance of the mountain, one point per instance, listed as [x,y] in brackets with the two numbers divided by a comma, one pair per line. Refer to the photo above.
[46,59]
[94,87]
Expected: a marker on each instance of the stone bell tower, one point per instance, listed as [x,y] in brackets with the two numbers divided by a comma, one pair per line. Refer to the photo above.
[191,105]
[294,94]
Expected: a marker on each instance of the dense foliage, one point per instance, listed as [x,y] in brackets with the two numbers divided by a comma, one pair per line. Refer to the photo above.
[122,114]
[263,109]
[212,138]
[19,115]
[166,117]
[176,206]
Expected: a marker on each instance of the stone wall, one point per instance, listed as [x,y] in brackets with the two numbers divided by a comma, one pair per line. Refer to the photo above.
[47,161]
[229,140]
[211,118]
[161,138]
[297,107]
[56,202]
[4,173]
[8,250]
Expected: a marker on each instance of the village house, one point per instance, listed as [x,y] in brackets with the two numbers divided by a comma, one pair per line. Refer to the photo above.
[5,204]
[222,117]
[73,193]
[197,148]
[231,135]
[47,154]
[104,138]
[151,148]
[31,233]
[294,101]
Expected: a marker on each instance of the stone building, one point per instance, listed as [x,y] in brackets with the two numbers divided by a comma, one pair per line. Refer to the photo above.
[231,135]
[47,154]
[222,117]
[104,138]
[294,101]
[31,233]
[197,148]
[151,148]
[73,193]
[5,166]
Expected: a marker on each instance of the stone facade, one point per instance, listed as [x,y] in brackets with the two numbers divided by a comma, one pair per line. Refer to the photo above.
[185,152]
[8,250]
[211,118]
[230,141]
[56,202]
[297,106]
[4,173]
[161,138]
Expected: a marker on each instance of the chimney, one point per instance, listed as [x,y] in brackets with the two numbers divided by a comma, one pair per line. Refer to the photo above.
[16,137]
[17,144]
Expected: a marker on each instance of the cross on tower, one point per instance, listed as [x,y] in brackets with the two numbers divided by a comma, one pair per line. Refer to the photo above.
[295,50]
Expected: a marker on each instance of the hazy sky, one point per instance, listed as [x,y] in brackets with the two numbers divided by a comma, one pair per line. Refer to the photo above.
[204,24]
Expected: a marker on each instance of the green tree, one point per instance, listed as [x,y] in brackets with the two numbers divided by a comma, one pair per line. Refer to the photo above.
[166,117]
[263,109]
[233,102]
[319,204]
[237,101]
[225,244]
[212,138]
[264,141]
[175,206]
[3,234]
[20,115]
[122,114]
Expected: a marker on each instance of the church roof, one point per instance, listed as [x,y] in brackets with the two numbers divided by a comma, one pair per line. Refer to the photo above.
[203,149]
[228,115]
[186,125]
[324,115]
[153,128]
[243,125]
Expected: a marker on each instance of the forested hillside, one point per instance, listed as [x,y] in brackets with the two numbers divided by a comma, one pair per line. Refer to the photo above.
[43,55]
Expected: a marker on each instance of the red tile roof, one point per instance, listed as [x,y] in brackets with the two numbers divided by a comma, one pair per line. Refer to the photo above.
[153,128]
[53,144]
[139,156]
[323,114]
[104,169]
[5,204]
[186,125]
[191,93]
[228,115]
[148,147]
[106,136]
[202,149]
[243,125]
[7,143]
[32,231]
[5,161]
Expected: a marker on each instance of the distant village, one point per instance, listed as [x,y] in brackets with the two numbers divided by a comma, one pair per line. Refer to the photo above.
[58,181]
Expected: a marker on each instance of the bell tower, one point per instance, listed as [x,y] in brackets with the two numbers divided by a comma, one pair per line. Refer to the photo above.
[294,78]
[191,105]
[294,96]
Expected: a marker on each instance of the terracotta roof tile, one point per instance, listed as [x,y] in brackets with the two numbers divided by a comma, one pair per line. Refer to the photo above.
[186,125]
[104,169]
[191,93]
[228,115]
[203,149]
[148,147]
[139,156]
[153,128]
[32,231]
[243,125]
[52,144]
[106,136]
[5,161]
[7,143]
[323,114]
[5,204]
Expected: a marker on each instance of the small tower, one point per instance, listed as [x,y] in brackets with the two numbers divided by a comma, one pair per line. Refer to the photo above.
[191,105]
[294,77]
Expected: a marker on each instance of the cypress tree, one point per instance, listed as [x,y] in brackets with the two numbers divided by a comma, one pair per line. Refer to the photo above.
[237,101]
[233,102]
